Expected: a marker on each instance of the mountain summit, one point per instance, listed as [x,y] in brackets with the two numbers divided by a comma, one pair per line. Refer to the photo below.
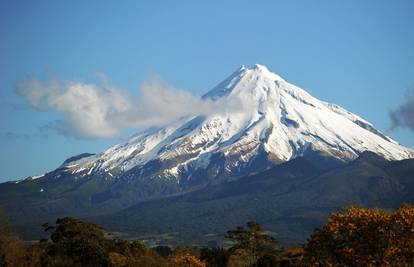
[261,120]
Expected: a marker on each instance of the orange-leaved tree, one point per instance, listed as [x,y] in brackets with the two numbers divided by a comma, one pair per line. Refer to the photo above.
[364,237]
[185,259]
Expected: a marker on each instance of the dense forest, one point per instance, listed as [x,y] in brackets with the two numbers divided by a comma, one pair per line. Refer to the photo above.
[355,236]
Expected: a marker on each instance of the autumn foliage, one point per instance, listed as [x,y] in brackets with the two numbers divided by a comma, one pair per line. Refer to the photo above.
[12,249]
[364,237]
[185,259]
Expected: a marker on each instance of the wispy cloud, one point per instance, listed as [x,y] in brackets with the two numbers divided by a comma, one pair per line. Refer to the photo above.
[103,111]
[15,136]
[403,115]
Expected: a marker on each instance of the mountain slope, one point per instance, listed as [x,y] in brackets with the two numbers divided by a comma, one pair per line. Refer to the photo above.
[290,199]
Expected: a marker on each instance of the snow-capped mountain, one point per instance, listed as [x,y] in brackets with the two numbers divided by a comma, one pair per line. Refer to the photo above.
[259,120]
[263,139]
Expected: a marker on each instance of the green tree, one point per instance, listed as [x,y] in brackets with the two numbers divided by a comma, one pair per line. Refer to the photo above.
[78,243]
[251,243]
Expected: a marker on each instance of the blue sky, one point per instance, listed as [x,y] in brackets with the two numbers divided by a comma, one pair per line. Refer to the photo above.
[358,54]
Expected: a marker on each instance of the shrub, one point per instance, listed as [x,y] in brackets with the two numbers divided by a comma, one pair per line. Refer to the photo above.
[269,260]
[163,251]
[185,259]
[215,257]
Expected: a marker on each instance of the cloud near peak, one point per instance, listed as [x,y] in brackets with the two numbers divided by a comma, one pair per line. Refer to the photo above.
[92,111]
[403,115]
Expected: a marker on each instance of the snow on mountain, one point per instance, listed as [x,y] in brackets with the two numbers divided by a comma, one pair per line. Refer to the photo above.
[270,117]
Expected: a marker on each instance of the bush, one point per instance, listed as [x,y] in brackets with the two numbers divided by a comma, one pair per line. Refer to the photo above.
[268,260]
[163,251]
[185,259]
[215,257]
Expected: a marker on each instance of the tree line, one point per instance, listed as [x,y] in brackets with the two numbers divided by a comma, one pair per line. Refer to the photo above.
[354,236]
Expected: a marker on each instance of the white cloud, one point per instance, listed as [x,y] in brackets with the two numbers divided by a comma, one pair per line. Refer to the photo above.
[91,111]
